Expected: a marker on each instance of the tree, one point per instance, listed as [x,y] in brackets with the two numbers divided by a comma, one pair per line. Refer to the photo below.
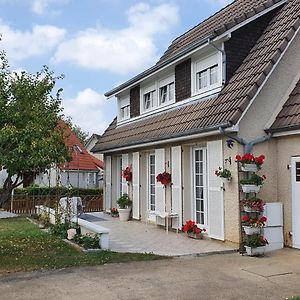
[30,140]
[79,132]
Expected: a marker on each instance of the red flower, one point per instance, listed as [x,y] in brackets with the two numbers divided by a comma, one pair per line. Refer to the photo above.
[245,218]
[238,157]
[263,219]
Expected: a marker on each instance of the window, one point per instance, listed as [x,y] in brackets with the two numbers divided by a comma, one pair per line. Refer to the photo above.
[120,177]
[207,77]
[125,112]
[152,182]
[149,100]
[166,93]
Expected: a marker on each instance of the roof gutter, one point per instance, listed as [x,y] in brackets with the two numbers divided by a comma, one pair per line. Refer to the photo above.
[193,134]
[156,67]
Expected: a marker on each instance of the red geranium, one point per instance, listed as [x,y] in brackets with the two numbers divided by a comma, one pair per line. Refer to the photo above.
[190,226]
[254,221]
[249,158]
[164,178]
[127,173]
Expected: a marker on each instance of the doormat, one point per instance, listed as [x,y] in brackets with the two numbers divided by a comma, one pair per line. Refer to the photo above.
[91,218]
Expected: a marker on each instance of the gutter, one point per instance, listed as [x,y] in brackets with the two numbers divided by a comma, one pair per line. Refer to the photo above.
[193,134]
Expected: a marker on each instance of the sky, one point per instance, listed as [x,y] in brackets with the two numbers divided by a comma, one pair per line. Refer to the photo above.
[96,44]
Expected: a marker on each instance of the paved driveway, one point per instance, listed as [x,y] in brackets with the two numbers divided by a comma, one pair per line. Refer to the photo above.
[227,276]
[135,236]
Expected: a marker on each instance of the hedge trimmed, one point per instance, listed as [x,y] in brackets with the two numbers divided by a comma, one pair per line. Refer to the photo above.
[52,191]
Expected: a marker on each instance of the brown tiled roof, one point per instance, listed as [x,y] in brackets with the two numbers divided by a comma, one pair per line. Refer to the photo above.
[231,102]
[289,116]
[225,19]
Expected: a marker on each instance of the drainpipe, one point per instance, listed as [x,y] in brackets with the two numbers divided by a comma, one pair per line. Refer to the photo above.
[248,146]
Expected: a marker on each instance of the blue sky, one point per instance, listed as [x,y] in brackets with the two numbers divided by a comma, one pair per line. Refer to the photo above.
[96,44]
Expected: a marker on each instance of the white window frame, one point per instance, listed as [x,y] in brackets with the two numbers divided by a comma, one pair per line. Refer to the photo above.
[205,191]
[166,83]
[149,89]
[119,176]
[204,64]
[123,102]
[149,182]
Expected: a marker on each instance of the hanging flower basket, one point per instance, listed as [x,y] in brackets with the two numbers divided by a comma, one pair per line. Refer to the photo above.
[250,188]
[164,178]
[249,168]
[251,230]
[127,174]
[225,175]
[258,251]
[225,180]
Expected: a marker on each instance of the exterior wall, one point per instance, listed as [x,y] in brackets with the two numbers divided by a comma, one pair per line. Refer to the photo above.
[135,102]
[114,180]
[242,41]
[183,87]
[90,146]
[3,176]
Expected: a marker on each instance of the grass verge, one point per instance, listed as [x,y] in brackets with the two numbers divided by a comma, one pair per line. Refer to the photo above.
[24,247]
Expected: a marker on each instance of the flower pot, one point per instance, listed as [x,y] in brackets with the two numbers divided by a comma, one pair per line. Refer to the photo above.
[249,168]
[249,209]
[251,230]
[225,180]
[250,188]
[124,214]
[193,235]
[255,251]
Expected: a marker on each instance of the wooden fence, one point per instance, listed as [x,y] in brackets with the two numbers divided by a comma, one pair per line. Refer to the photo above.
[25,204]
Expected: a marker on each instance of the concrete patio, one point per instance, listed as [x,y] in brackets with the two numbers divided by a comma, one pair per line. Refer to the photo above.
[135,236]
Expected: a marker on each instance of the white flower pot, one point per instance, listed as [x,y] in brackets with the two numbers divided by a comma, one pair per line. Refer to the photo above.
[251,230]
[249,209]
[255,251]
[250,188]
[225,180]
[249,168]
[124,214]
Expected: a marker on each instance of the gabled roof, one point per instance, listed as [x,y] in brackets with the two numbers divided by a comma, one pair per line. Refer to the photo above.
[227,18]
[289,116]
[81,159]
[232,101]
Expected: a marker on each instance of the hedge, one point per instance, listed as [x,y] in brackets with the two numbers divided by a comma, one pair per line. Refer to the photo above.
[52,191]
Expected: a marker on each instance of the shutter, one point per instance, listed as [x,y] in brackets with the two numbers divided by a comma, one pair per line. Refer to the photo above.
[124,166]
[215,191]
[176,183]
[136,185]
[159,188]
[107,183]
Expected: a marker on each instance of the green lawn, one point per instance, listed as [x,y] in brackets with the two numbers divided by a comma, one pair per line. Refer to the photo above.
[24,247]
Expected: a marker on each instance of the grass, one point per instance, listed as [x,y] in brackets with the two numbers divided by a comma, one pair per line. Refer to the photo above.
[24,247]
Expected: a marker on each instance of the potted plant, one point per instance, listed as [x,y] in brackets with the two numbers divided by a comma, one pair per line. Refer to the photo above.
[249,162]
[225,175]
[253,225]
[256,245]
[192,230]
[114,212]
[253,205]
[252,184]
[124,204]
[127,173]
[164,178]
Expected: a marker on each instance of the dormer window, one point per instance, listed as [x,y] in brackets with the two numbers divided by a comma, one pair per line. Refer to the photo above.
[207,74]
[149,100]
[166,92]
[124,108]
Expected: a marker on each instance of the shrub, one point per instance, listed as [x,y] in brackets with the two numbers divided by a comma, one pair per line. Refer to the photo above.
[124,201]
[255,241]
[88,241]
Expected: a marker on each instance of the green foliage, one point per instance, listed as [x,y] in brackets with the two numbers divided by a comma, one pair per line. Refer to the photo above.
[255,241]
[23,247]
[60,230]
[44,218]
[80,133]
[30,139]
[87,241]
[124,201]
[254,179]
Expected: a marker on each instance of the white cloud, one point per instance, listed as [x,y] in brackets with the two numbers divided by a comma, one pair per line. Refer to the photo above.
[87,110]
[41,7]
[123,50]
[20,45]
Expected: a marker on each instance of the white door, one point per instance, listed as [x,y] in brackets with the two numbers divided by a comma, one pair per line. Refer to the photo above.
[107,183]
[200,191]
[296,201]
[151,186]
[136,185]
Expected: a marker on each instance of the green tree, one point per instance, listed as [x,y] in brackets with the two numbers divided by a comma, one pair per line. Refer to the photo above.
[30,138]
[79,132]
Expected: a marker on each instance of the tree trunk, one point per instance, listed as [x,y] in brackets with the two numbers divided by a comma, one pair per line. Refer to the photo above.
[8,187]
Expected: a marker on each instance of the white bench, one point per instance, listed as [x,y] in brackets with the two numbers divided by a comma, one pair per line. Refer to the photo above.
[166,216]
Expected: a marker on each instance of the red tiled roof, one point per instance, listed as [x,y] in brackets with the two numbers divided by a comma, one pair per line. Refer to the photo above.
[289,116]
[81,159]
[232,101]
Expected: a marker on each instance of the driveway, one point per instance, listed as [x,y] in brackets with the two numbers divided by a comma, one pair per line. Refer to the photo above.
[227,276]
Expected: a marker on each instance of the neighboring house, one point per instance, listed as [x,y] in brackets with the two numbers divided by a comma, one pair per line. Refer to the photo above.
[83,171]
[90,144]
[232,76]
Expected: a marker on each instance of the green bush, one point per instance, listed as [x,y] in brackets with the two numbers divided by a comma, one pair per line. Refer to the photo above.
[88,241]
[124,201]
[60,230]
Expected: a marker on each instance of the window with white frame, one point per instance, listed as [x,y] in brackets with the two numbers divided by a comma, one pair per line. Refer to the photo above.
[167,90]
[149,98]
[124,108]
[207,73]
